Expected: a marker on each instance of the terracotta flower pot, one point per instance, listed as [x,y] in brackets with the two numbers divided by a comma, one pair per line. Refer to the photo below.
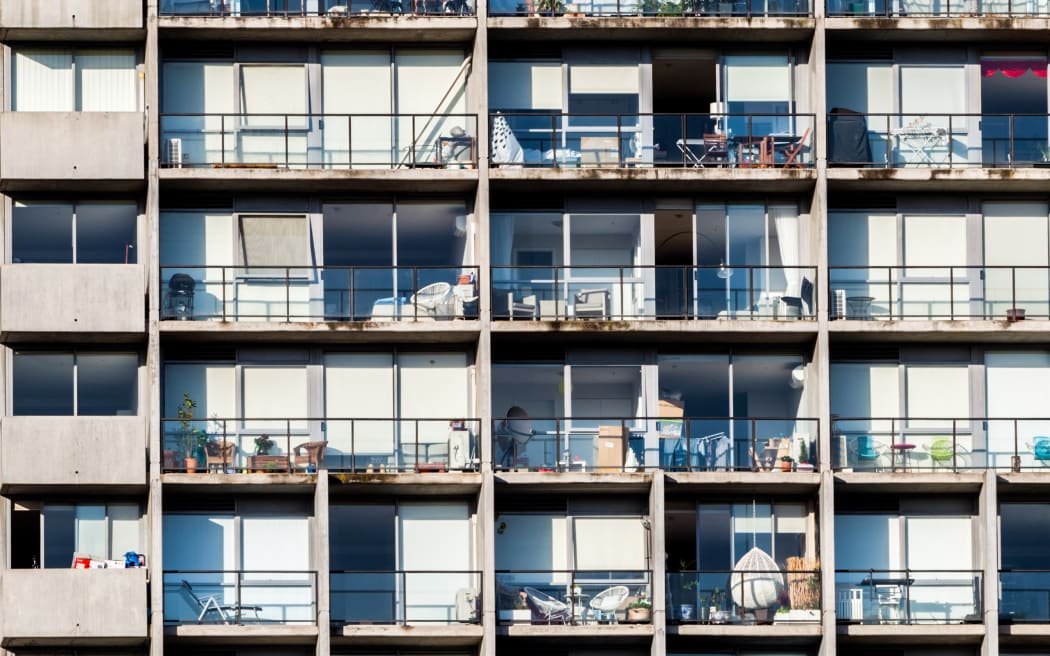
[638,614]
[191,465]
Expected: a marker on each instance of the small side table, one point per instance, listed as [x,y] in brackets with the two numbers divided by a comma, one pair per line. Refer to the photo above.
[859,307]
[904,449]
[578,603]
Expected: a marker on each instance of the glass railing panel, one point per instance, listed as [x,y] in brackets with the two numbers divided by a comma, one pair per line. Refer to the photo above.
[573,597]
[1024,596]
[745,597]
[240,597]
[401,445]
[908,596]
[405,597]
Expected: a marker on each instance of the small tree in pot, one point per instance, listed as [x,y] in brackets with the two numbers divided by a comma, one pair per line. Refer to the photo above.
[191,440]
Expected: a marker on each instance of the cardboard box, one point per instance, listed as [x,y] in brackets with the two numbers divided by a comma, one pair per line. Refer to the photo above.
[612,442]
[667,408]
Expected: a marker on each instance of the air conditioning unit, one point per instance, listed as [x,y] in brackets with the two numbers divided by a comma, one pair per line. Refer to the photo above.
[850,606]
[173,153]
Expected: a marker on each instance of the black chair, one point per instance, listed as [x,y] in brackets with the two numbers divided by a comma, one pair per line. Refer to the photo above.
[180,297]
[805,296]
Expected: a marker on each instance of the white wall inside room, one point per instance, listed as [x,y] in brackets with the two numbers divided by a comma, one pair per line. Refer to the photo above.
[1014,381]
[436,542]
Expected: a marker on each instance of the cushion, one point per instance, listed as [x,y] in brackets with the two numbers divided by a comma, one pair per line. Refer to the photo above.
[1041,447]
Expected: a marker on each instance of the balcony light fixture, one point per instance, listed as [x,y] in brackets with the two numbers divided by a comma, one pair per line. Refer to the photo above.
[724,272]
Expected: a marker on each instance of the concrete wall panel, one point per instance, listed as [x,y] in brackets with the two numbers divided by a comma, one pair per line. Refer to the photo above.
[77,298]
[73,451]
[72,146]
[86,14]
[73,604]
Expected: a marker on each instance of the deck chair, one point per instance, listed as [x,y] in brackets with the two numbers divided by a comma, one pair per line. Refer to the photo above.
[211,605]
[219,456]
[592,303]
[605,604]
[310,455]
[791,160]
[546,608]
[716,151]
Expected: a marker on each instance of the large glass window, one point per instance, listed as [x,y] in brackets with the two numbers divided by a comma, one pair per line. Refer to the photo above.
[85,233]
[101,531]
[62,80]
[78,383]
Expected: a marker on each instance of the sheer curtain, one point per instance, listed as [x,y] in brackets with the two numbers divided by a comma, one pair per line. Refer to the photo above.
[785,221]
[501,241]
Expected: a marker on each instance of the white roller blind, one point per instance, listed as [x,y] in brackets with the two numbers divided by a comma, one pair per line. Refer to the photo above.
[938,241]
[939,543]
[937,392]
[360,385]
[609,543]
[274,392]
[197,87]
[1015,234]
[346,74]
[933,90]
[123,529]
[603,79]
[273,90]
[531,542]
[1017,384]
[758,78]
[43,81]
[107,81]
[91,530]
[434,537]
[275,241]
[193,541]
[525,85]
[428,82]
[275,543]
[211,386]
[865,87]
[433,384]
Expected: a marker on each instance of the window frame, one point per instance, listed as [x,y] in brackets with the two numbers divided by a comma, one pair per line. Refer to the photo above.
[73,52]
[263,272]
[75,352]
[74,206]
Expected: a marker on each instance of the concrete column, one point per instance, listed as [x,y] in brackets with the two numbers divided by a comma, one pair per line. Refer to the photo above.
[322,564]
[825,528]
[658,564]
[988,512]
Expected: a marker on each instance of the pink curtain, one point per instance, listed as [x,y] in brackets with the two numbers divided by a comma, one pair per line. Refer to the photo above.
[1014,69]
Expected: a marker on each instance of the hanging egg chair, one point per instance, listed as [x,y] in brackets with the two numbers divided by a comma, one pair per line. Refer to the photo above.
[756,581]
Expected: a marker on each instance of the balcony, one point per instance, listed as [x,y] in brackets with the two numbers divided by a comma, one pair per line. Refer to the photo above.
[661,9]
[943,141]
[690,444]
[75,299]
[646,292]
[735,597]
[576,598]
[925,445]
[940,293]
[937,8]
[230,597]
[63,606]
[319,141]
[406,598]
[84,451]
[299,8]
[79,160]
[1024,596]
[284,446]
[312,294]
[720,141]
[73,16]
[908,596]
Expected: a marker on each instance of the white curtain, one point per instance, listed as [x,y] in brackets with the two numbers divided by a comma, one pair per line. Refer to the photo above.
[43,81]
[501,242]
[785,220]
[106,81]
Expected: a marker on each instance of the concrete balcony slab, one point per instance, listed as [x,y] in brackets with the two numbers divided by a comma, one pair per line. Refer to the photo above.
[86,302]
[619,632]
[101,453]
[515,482]
[940,330]
[791,632]
[931,28]
[72,20]
[652,179]
[318,180]
[258,483]
[80,607]
[647,28]
[412,635]
[451,483]
[907,482]
[937,179]
[665,330]
[243,634]
[89,151]
[777,482]
[328,29]
[425,332]
[914,634]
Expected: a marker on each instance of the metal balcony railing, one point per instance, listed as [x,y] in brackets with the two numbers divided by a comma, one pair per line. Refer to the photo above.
[923,444]
[654,8]
[937,8]
[331,293]
[938,140]
[583,444]
[940,292]
[405,597]
[647,140]
[240,597]
[283,445]
[319,141]
[576,597]
[559,293]
[738,597]
[1024,596]
[908,596]
[330,8]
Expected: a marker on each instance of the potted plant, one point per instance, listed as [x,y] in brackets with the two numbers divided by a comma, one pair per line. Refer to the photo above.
[688,583]
[649,7]
[1044,153]
[716,614]
[263,444]
[639,611]
[191,440]
[550,7]
[804,465]
[786,462]
[670,8]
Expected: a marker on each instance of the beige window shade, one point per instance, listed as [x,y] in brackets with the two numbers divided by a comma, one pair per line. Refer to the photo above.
[272,395]
[938,393]
[274,91]
[525,85]
[275,241]
[765,78]
[610,543]
[603,79]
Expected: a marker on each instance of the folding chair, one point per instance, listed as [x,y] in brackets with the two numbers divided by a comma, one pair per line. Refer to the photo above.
[792,153]
[716,150]
[211,605]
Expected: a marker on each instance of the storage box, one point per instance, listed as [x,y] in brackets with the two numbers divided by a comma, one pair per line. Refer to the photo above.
[670,408]
[612,442]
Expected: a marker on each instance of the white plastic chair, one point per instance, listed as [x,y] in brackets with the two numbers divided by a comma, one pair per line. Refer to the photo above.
[434,300]
[547,607]
[605,604]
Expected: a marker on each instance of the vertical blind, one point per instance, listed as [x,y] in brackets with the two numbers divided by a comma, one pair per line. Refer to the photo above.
[105,80]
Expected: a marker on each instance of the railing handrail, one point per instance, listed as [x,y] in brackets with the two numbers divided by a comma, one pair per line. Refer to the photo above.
[338,267]
[931,266]
[742,571]
[548,114]
[654,266]
[655,418]
[312,418]
[240,571]
[321,114]
[640,570]
[922,418]
[405,571]
[908,570]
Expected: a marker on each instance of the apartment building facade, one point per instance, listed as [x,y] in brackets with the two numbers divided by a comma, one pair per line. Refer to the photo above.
[478,327]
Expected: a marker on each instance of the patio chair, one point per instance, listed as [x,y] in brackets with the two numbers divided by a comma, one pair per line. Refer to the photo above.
[592,303]
[210,604]
[1040,448]
[434,300]
[866,454]
[546,608]
[791,153]
[803,303]
[310,455]
[219,456]
[526,308]
[940,452]
[605,604]
[716,151]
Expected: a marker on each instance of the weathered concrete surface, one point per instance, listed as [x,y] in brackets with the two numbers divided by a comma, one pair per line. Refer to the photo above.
[458,331]
[73,606]
[593,630]
[650,28]
[244,634]
[648,330]
[909,482]
[310,180]
[72,451]
[561,482]
[783,630]
[915,634]
[326,29]
[800,483]
[652,179]
[71,146]
[934,179]
[941,330]
[931,29]
[452,635]
[71,14]
[72,298]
